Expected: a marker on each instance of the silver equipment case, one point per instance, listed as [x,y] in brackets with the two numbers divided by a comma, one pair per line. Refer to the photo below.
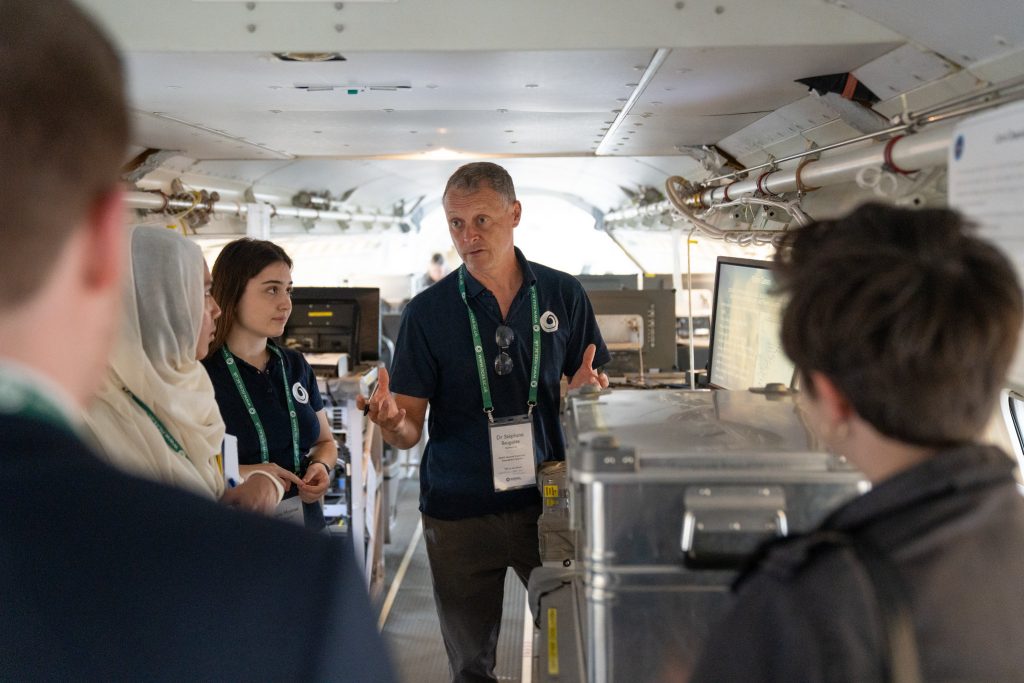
[670,492]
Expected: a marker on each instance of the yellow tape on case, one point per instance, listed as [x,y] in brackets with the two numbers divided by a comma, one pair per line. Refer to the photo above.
[552,641]
[551,491]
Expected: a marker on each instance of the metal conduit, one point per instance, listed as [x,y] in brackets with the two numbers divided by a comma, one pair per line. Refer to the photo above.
[153,201]
[910,153]
[801,155]
[1009,91]
[913,152]
[1003,88]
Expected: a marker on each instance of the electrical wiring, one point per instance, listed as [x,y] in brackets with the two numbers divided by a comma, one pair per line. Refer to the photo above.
[675,188]
[792,207]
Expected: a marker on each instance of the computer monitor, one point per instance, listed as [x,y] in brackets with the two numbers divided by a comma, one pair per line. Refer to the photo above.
[639,328]
[334,320]
[746,319]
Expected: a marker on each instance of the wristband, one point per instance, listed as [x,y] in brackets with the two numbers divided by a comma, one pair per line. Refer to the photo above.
[321,462]
[277,483]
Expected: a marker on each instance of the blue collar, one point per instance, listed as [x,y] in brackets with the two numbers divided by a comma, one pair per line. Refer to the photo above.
[474,287]
[273,361]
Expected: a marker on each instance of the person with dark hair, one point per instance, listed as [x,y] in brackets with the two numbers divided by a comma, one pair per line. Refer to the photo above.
[435,272]
[902,325]
[486,348]
[120,578]
[268,395]
[154,414]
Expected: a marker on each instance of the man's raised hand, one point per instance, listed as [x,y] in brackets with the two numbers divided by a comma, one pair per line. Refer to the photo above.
[381,406]
[586,373]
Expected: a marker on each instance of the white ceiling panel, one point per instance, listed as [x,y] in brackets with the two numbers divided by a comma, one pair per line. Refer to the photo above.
[446,25]
[905,68]
[964,33]
[211,82]
[485,103]
[537,85]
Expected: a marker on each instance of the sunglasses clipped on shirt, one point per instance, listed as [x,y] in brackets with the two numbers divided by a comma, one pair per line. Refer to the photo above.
[504,336]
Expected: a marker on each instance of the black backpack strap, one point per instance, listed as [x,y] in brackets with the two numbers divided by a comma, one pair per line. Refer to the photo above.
[900,659]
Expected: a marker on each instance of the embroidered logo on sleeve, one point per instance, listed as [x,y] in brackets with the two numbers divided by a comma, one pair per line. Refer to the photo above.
[549,322]
[300,393]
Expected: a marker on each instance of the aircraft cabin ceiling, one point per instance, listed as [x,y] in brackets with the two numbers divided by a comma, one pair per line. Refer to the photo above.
[579,98]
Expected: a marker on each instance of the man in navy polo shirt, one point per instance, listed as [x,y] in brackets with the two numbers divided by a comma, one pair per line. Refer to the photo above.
[486,348]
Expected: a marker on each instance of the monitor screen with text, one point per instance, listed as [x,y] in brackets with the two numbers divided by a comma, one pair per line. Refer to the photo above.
[746,320]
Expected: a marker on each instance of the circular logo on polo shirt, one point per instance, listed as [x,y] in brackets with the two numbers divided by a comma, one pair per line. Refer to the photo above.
[549,322]
[300,393]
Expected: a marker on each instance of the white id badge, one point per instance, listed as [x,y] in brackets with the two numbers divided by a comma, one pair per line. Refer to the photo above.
[229,449]
[512,458]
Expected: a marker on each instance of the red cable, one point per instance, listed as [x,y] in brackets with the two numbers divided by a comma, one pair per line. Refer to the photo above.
[762,188]
[800,187]
[887,161]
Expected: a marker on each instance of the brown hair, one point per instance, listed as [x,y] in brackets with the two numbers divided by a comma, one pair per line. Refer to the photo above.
[239,262]
[64,126]
[912,317]
[467,178]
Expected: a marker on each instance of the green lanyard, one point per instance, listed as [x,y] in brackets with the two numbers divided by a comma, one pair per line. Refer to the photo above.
[19,397]
[478,347]
[264,450]
[169,439]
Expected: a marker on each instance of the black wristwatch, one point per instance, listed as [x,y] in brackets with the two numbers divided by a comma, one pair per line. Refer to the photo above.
[320,462]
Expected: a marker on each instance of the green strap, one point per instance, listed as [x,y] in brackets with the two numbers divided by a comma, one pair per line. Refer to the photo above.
[169,439]
[478,349]
[19,397]
[535,370]
[229,358]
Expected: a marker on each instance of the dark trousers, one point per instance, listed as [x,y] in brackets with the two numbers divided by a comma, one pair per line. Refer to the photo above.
[468,562]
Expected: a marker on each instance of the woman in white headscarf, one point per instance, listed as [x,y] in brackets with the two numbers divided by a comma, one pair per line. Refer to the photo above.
[155,415]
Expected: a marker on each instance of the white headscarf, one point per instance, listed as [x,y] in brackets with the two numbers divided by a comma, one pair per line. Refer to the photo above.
[155,357]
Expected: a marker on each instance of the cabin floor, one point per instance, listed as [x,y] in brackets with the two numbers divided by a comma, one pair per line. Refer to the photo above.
[411,627]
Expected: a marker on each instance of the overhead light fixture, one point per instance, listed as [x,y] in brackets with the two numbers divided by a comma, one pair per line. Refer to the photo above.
[660,55]
[351,89]
[444,154]
[437,154]
[309,57]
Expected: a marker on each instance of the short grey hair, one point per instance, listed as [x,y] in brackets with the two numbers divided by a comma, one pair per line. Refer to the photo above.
[468,178]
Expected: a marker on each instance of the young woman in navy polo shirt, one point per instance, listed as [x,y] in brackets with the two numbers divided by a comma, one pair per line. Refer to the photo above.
[267,394]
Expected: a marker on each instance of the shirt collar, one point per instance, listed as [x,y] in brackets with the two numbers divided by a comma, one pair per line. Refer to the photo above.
[54,392]
[271,362]
[474,287]
[953,469]
[274,360]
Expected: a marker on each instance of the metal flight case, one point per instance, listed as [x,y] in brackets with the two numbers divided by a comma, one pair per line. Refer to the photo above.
[671,491]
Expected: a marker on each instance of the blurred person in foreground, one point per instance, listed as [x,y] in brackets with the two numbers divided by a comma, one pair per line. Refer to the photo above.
[105,576]
[902,325]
